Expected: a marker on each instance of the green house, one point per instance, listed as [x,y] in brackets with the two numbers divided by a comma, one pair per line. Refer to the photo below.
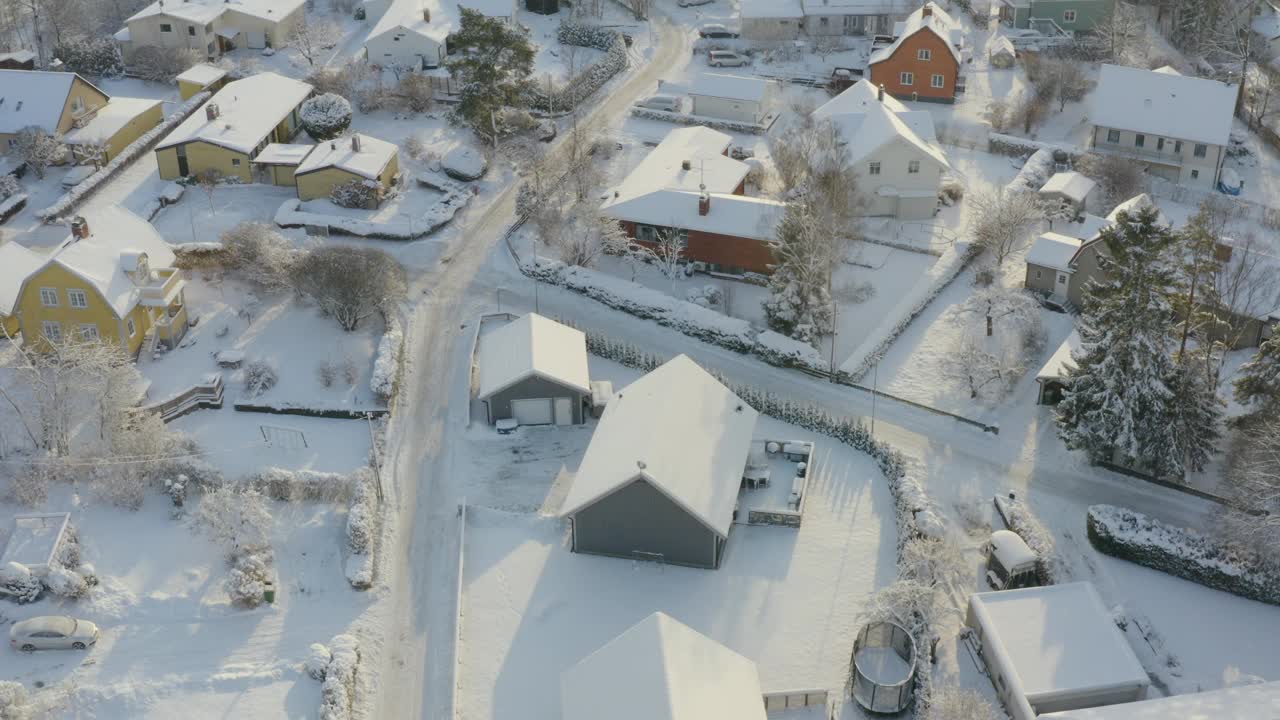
[1080,16]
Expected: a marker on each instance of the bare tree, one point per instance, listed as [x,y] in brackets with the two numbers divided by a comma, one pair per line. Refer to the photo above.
[1253,476]
[261,254]
[1124,35]
[1017,312]
[588,234]
[1001,220]
[951,702]
[917,607]
[208,181]
[1227,40]
[236,517]
[668,253]
[162,64]
[312,37]
[92,152]
[350,283]
[983,369]
[1119,177]
[997,114]
[1029,110]
[38,149]
[1071,84]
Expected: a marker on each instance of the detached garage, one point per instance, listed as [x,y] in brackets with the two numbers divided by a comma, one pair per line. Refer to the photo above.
[534,370]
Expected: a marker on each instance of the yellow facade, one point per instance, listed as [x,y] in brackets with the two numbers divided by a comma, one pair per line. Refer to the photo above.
[320,184]
[189,89]
[202,156]
[135,129]
[81,98]
[10,325]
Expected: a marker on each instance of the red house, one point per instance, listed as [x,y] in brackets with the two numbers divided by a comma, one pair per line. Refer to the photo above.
[923,63]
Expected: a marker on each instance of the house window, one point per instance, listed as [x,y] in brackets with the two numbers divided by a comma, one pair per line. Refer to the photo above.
[166,27]
[1038,273]
[1195,174]
[1062,279]
[1160,144]
[937,81]
[1201,150]
[1139,140]
[823,22]
[1113,136]
[52,331]
[191,30]
[89,333]
[1177,147]
[48,297]
[1069,16]
[906,78]
[235,162]
[682,237]
[874,168]
[77,299]
[913,167]
[646,233]
[77,104]
[133,329]
[924,54]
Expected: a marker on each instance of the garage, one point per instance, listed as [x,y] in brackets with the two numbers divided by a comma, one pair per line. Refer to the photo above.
[532,411]
[255,39]
[534,370]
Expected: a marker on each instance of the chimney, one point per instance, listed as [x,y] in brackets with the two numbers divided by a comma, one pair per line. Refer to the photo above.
[211,111]
[880,93]
[686,165]
[355,143]
[927,10]
[704,203]
[426,14]
[79,228]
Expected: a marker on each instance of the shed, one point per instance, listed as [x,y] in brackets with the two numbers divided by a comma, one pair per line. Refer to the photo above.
[660,479]
[1001,53]
[1072,188]
[279,161]
[1049,267]
[1259,700]
[1053,376]
[534,370]
[35,540]
[662,669]
[1054,648]
[20,60]
[200,77]
[730,97]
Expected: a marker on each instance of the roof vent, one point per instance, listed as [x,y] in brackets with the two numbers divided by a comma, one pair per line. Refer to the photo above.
[686,164]
[211,111]
[640,464]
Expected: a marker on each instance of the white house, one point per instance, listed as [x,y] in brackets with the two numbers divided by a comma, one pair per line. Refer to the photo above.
[899,166]
[1054,648]
[662,669]
[854,17]
[1177,126]
[415,33]
[770,19]
[211,26]
[1259,700]
[731,97]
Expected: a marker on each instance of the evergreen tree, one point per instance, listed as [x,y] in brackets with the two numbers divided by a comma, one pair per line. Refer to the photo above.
[799,303]
[493,63]
[1259,379]
[1119,399]
[1195,412]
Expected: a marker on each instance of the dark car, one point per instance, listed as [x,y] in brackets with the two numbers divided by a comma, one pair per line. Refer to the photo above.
[716,31]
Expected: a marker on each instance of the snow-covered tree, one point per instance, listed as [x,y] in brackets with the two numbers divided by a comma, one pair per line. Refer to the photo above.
[162,64]
[1017,313]
[208,181]
[1195,412]
[492,68]
[311,37]
[799,303]
[89,55]
[919,608]
[1253,479]
[1258,382]
[1124,35]
[984,367]
[1001,220]
[236,517]
[38,149]
[952,702]
[261,254]
[350,283]
[1119,178]
[325,117]
[590,233]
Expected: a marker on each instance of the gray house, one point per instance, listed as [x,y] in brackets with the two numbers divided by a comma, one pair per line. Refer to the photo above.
[660,479]
[534,370]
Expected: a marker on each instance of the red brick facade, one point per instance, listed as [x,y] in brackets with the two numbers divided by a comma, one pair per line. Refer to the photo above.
[725,251]
[906,59]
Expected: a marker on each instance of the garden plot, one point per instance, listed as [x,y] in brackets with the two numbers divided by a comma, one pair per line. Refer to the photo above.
[554,60]
[199,217]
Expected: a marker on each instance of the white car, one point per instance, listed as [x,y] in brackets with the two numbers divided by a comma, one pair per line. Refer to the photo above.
[726,58]
[53,632]
[666,103]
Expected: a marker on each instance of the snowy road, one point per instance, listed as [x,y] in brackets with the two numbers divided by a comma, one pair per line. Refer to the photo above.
[417,653]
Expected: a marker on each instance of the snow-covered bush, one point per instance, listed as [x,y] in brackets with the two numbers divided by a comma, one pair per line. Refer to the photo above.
[17,582]
[1184,553]
[247,580]
[362,517]
[1049,566]
[261,255]
[259,377]
[339,685]
[778,349]
[14,702]
[90,55]
[952,702]
[350,283]
[416,92]
[66,583]
[237,518]
[951,191]
[325,116]
[386,365]
[176,489]
[299,485]
[9,186]
[361,194]
[1035,172]
[162,64]
[30,483]
[38,149]
[317,663]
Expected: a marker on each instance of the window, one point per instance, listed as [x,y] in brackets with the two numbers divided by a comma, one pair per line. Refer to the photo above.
[1195,174]
[133,330]
[1069,16]
[924,54]
[166,27]
[89,332]
[1113,136]
[1038,274]
[822,22]
[1139,140]
[191,30]
[913,167]
[52,331]
[646,233]
[1201,150]
[1062,279]
[13,143]
[937,81]
[77,104]
[77,299]
[235,162]
[682,237]
[1177,147]
[906,78]
[48,297]
[1160,144]
[874,168]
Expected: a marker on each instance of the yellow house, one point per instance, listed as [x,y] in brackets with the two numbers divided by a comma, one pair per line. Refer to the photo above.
[200,77]
[113,280]
[16,263]
[237,123]
[113,128]
[338,162]
[277,163]
[52,101]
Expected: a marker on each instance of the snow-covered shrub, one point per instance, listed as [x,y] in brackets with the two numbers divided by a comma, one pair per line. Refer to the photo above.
[14,702]
[162,64]
[88,572]
[1035,172]
[416,92]
[17,582]
[464,163]
[327,372]
[339,685]
[951,191]
[259,377]
[261,255]
[236,517]
[66,583]
[247,580]
[12,205]
[325,116]
[30,483]
[176,489]
[1049,566]
[386,365]
[298,485]
[414,147]
[778,349]
[9,186]
[952,702]
[317,663]
[90,55]
[361,194]
[69,549]
[362,518]
[1184,553]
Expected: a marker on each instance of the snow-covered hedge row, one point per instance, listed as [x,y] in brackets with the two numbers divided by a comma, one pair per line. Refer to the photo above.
[338,675]
[1026,525]
[593,77]
[199,255]
[1132,536]
[878,341]
[386,365]
[290,215]
[778,349]
[77,194]
[362,531]
[1035,172]
[689,119]
[1001,144]
[296,485]
[12,205]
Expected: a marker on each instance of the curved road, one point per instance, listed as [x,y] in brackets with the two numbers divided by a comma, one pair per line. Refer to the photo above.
[417,649]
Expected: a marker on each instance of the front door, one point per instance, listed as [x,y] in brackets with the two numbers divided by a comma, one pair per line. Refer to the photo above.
[564,411]
[183,168]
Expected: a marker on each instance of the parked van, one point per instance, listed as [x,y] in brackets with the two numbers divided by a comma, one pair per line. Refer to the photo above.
[1011,564]
[667,103]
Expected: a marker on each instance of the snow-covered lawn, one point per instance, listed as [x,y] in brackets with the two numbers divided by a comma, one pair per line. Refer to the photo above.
[787,599]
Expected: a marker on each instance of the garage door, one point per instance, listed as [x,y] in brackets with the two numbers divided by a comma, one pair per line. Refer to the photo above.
[255,39]
[532,412]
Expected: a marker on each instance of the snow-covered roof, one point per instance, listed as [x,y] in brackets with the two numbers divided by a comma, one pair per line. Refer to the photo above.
[533,346]
[16,264]
[1084,227]
[663,168]
[732,215]
[999,44]
[763,9]
[679,429]
[936,21]
[204,11]
[1053,250]
[202,74]
[857,7]
[33,97]
[445,16]
[858,98]
[1170,105]
[662,669]
[1011,550]
[99,258]
[1137,204]
[868,124]
[1262,300]
[1167,70]
[20,56]
[1056,367]
[1260,700]
[34,539]
[1056,640]
[109,120]
[368,162]
[248,110]
[1071,185]
[732,87]
[282,154]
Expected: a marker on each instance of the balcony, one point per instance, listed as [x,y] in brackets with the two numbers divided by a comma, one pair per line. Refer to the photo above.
[163,288]
[1160,157]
